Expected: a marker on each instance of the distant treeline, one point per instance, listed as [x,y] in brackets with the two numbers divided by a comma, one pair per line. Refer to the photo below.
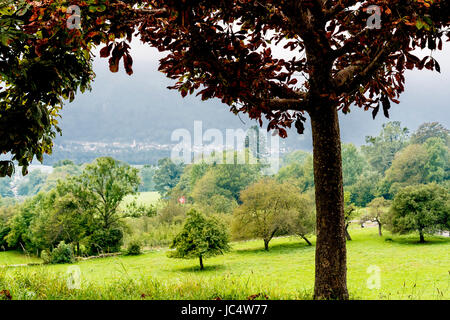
[82,204]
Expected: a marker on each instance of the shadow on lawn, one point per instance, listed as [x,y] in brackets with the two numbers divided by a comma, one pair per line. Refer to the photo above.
[414,240]
[207,268]
[283,248]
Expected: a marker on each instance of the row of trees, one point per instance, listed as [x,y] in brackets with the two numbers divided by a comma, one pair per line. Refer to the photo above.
[37,180]
[84,209]
[423,208]
[373,175]
[239,193]
[271,209]
[385,164]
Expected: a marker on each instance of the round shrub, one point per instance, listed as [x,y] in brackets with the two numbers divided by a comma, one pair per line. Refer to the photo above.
[63,253]
[46,257]
[134,248]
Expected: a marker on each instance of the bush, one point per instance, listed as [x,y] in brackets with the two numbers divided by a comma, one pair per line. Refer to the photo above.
[134,248]
[63,253]
[46,257]
[105,241]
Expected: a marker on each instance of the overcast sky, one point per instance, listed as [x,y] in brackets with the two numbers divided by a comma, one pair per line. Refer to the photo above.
[426,98]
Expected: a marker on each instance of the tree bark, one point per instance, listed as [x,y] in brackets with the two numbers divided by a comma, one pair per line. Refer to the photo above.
[380,232]
[347,235]
[331,254]
[307,241]
[266,244]
[201,263]
[422,238]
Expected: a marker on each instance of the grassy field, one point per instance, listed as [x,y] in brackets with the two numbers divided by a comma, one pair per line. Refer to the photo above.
[143,198]
[408,270]
[16,258]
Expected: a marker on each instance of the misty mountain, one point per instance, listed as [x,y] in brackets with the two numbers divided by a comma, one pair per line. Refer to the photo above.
[140,108]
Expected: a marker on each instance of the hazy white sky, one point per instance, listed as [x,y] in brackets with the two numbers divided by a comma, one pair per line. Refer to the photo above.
[424,88]
[426,98]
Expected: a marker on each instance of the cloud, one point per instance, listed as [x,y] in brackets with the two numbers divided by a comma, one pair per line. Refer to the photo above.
[426,97]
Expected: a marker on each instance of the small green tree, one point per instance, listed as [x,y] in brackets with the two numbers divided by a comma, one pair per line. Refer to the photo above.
[134,247]
[268,209]
[210,196]
[376,211]
[301,221]
[422,208]
[200,238]
[167,176]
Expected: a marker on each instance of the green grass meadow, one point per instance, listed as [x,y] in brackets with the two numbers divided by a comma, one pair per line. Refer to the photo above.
[16,258]
[407,270]
[143,198]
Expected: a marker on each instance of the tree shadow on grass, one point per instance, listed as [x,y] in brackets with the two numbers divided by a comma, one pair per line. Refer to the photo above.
[207,269]
[279,248]
[414,240]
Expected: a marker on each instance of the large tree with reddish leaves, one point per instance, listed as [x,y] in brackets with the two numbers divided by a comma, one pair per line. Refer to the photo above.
[226,49]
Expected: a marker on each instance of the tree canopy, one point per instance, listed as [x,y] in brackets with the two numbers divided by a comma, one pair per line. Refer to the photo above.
[200,238]
[418,164]
[381,150]
[420,208]
[377,210]
[270,208]
[431,130]
[167,176]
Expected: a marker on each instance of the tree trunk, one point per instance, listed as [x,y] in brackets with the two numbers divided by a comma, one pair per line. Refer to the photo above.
[380,232]
[266,244]
[331,254]
[422,238]
[201,263]
[347,235]
[307,241]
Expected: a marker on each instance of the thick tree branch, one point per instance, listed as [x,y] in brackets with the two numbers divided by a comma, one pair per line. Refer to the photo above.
[349,79]
[286,104]
[152,11]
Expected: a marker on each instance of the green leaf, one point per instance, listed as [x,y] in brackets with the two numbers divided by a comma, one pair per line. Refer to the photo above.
[420,24]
